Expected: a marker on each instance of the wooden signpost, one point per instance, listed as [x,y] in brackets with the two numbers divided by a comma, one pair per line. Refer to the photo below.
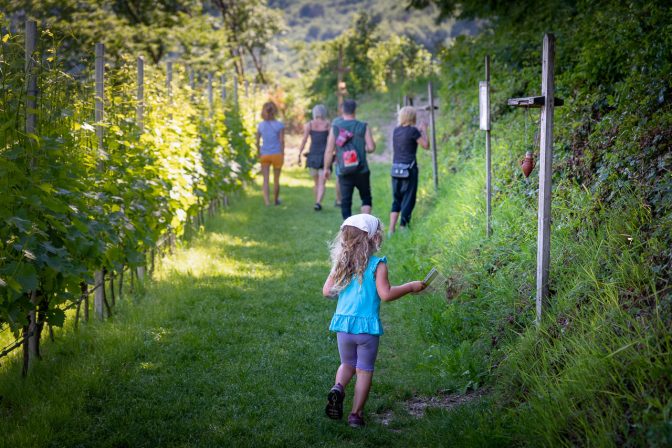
[484,103]
[341,88]
[547,102]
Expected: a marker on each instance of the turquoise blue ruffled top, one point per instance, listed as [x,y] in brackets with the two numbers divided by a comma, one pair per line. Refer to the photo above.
[357,311]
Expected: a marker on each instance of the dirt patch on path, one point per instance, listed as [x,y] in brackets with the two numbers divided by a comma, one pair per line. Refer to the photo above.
[418,405]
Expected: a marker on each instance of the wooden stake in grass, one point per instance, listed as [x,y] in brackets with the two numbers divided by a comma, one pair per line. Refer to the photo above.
[545,172]
[31,79]
[99,297]
[31,343]
[435,166]
[547,101]
[99,294]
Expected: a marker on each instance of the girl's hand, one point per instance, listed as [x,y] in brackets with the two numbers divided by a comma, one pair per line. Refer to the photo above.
[417,287]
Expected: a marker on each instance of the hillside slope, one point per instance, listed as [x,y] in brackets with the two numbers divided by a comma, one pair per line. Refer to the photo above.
[598,371]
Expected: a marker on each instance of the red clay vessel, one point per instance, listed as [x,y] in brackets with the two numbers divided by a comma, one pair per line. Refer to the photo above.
[527,164]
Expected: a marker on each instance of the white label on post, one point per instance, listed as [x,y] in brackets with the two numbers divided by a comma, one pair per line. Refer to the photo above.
[484,105]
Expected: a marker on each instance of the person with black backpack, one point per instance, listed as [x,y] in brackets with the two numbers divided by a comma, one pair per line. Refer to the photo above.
[349,141]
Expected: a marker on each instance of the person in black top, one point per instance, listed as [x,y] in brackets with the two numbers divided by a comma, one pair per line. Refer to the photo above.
[405,140]
[318,131]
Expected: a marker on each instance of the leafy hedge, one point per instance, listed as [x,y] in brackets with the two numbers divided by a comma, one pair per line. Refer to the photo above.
[67,210]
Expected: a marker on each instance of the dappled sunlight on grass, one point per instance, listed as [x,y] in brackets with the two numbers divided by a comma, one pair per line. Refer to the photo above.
[201,262]
[292,177]
[232,241]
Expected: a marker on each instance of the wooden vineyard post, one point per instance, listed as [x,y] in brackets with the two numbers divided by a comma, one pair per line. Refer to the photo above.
[30,349]
[99,277]
[222,81]
[31,77]
[192,83]
[211,99]
[432,122]
[140,113]
[100,88]
[547,102]
[484,97]
[169,81]
[140,108]
[235,90]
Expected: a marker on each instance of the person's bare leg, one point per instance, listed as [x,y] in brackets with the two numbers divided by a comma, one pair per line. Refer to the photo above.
[393,221]
[366,209]
[321,181]
[344,374]
[265,171]
[362,388]
[276,183]
[316,186]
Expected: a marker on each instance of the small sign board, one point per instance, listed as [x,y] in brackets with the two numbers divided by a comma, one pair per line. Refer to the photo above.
[484,105]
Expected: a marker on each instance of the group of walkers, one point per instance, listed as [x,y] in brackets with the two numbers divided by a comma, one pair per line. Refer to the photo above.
[342,146]
[357,277]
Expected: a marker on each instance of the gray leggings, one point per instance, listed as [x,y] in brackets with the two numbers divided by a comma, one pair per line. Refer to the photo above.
[358,350]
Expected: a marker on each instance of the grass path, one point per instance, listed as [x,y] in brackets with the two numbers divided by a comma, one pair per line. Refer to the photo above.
[230,347]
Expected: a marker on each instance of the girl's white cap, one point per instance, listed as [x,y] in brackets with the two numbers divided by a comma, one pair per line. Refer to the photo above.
[365,222]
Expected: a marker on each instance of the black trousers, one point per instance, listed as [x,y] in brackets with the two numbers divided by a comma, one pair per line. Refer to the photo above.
[403,195]
[348,183]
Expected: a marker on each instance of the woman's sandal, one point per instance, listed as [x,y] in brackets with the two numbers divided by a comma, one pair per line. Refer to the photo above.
[334,409]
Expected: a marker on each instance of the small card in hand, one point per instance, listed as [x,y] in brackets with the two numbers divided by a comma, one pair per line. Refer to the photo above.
[429,278]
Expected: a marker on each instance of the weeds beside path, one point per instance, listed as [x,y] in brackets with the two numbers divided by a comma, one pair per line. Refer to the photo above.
[230,347]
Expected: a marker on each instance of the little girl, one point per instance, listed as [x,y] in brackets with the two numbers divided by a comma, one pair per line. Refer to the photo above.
[360,280]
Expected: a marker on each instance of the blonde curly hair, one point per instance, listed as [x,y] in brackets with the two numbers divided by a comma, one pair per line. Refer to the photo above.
[350,252]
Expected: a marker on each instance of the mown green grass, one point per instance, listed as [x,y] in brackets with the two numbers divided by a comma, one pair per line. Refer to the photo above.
[230,347]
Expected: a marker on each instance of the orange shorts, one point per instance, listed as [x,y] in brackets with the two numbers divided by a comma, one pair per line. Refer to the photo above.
[273,159]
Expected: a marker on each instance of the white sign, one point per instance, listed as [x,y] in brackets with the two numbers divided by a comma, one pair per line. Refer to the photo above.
[484,105]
